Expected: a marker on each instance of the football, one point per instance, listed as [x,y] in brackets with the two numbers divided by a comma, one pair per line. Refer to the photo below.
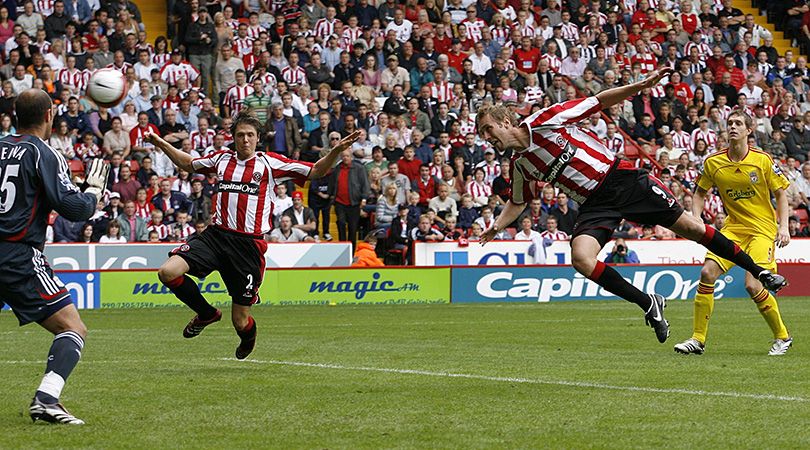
[107,87]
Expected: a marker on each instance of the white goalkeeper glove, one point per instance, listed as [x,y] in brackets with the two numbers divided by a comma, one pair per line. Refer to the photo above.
[97,172]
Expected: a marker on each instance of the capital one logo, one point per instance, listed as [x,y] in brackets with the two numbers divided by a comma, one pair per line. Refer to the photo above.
[504,285]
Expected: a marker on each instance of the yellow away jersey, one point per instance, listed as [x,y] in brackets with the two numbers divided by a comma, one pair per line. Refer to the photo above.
[745,188]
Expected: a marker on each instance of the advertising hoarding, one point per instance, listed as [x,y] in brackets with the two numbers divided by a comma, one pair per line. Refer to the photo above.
[544,284]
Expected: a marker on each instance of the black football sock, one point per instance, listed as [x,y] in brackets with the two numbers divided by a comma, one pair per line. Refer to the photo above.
[610,279]
[249,332]
[189,293]
[63,356]
[726,249]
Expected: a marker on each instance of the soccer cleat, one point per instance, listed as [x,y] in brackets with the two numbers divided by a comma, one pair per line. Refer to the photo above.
[772,281]
[52,413]
[655,317]
[196,326]
[780,346]
[690,346]
[245,348]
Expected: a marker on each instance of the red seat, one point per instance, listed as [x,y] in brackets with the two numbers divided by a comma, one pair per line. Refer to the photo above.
[76,167]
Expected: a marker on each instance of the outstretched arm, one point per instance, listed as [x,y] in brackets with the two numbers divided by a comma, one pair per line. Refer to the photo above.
[616,95]
[180,158]
[326,163]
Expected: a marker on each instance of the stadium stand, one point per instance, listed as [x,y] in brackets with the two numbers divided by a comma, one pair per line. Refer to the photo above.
[412,75]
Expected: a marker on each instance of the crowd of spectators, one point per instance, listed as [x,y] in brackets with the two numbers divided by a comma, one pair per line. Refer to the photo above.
[411,76]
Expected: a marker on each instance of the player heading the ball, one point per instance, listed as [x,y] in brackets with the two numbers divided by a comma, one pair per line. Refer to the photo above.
[549,147]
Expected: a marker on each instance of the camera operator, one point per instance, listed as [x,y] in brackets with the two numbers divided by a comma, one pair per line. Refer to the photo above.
[621,254]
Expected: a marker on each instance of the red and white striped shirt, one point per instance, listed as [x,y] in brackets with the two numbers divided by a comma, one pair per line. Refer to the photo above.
[708,136]
[268,81]
[249,61]
[294,76]
[145,210]
[136,135]
[73,79]
[170,73]
[161,59]
[84,152]
[491,171]
[615,144]
[325,28]
[554,63]
[246,189]
[570,158]
[570,32]
[44,46]
[479,190]
[648,61]
[122,69]
[681,140]
[254,32]
[474,28]
[527,30]
[243,46]
[184,231]
[201,140]
[235,96]
[44,7]
[350,36]
[162,230]
[534,94]
[554,236]
[703,50]
[500,35]
[441,91]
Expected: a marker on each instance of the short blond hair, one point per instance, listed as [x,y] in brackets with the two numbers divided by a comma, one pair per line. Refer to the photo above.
[499,113]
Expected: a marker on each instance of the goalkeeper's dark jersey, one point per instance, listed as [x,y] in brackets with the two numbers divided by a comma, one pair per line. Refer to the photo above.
[35,179]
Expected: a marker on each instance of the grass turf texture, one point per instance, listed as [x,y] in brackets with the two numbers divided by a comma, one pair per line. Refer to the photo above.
[141,385]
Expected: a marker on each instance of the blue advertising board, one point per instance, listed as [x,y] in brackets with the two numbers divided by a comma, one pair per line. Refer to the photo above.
[555,283]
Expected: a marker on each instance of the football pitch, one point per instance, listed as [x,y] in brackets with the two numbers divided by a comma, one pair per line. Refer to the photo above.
[559,375]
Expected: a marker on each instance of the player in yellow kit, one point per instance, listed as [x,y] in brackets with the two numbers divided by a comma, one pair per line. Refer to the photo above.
[746,177]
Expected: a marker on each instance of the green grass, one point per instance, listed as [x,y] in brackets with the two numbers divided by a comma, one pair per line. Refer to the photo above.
[141,385]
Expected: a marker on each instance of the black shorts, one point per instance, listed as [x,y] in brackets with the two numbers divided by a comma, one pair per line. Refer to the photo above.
[626,193]
[28,285]
[238,258]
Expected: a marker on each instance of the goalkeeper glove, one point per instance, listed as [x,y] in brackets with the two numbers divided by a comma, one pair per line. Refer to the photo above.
[97,172]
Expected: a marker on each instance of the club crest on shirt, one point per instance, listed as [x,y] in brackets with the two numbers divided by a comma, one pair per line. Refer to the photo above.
[754,177]
[257,176]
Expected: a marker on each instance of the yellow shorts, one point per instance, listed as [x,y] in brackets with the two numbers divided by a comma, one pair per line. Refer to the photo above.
[758,246]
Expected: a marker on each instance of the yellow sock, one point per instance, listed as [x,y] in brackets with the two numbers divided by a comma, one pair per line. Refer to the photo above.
[704,304]
[766,303]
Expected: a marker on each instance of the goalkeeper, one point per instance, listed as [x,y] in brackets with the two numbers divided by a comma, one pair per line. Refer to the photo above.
[35,180]
[746,177]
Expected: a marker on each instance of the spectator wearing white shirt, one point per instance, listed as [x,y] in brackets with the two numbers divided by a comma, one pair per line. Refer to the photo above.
[286,233]
[573,66]
[552,232]
[539,244]
[480,62]
[752,92]
[401,26]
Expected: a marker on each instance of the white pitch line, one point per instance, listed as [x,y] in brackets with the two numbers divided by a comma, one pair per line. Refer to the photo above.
[578,384]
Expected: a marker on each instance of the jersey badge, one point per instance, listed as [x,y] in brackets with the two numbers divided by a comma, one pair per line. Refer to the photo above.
[754,177]
[257,176]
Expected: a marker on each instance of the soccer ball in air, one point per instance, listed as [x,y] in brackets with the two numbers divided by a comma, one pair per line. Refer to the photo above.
[107,87]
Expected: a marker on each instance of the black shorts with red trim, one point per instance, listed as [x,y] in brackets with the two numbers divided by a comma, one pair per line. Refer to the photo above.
[239,259]
[626,193]
[28,285]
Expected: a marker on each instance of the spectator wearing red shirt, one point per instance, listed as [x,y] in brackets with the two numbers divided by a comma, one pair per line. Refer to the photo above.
[441,42]
[348,186]
[127,186]
[737,75]
[425,185]
[689,20]
[140,147]
[716,61]
[657,28]
[455,57]
[408,164]
[527,58]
